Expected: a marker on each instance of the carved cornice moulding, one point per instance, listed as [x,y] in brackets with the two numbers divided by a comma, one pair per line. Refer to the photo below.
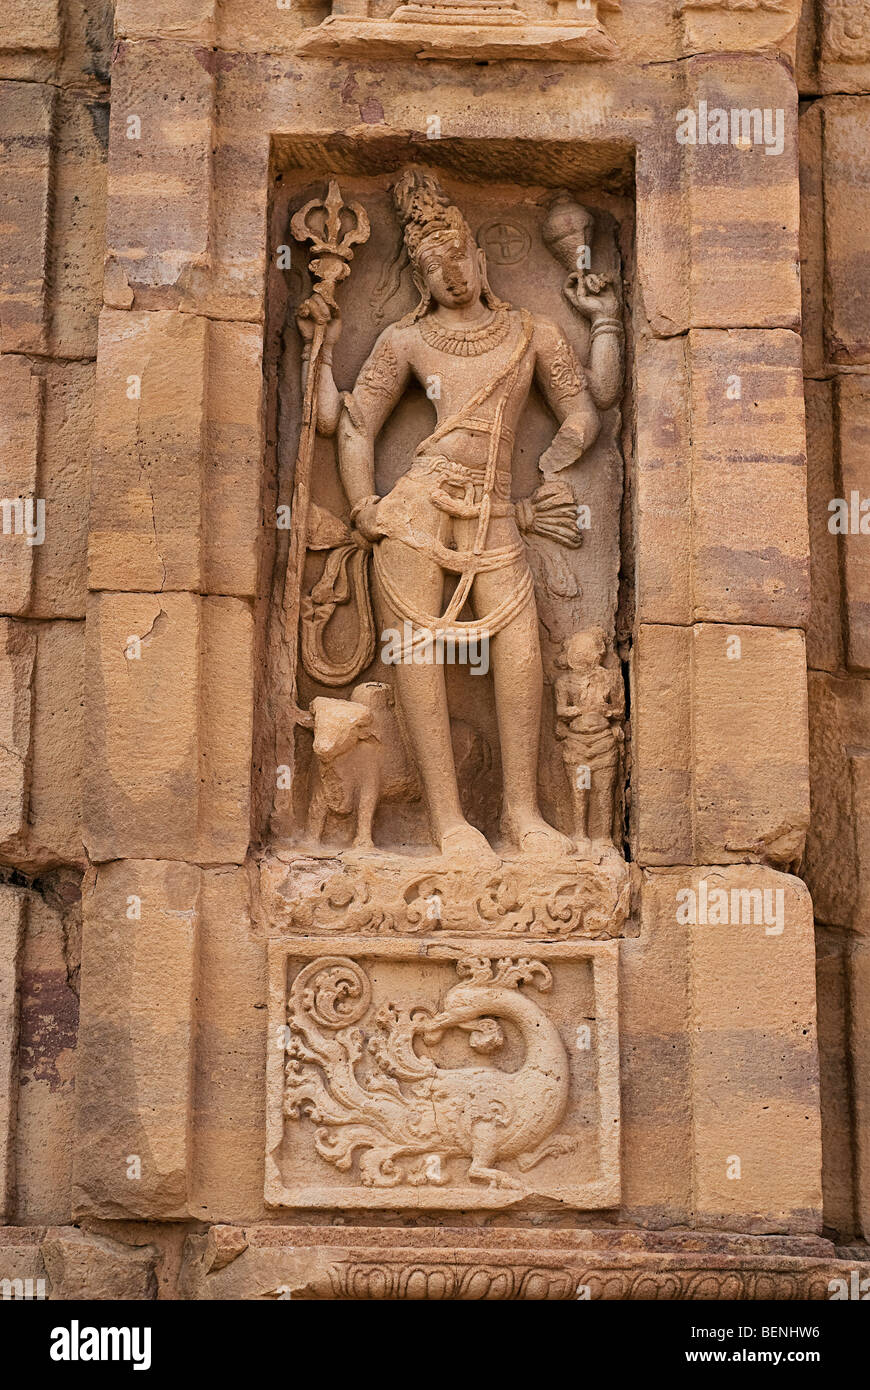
[476,30]
[463,1264]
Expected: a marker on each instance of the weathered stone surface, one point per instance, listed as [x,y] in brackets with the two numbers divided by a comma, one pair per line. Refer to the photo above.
[84,1265]
[750,543]
[844,47]
[322,1262]
[847,215]
[853,428]
[754,1061]
[655,1062]
[737,1041]
[232,1042]
[21,1258]
[25,163]
[824,630]
[812,236]
[59,587]
[225,731]
[166,19]
[21,402]
[42,743]
[832,1009]
[32,24]
[859,1051]
[54,831]
[142,765]
[233,443]
[175,495]
[146,485]
[738,25]
[663,484]
[720,752]
[721,504]
[838,714]
[45,1128]
[12,911]
[168,88]
[78,224]
[135,1061]
[169,739]
[318,894]
[17,659]
[744,206]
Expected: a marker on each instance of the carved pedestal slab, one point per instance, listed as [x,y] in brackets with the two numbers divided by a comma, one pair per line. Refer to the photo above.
[423,895]
[442,1075]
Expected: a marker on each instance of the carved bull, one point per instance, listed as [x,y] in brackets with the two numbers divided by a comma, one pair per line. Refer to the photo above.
[360,760]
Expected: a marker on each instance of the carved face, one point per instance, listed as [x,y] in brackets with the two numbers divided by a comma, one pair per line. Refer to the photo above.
[585,649]
[450,264]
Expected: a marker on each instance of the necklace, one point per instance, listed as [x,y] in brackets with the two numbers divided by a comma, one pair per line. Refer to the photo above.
[466,342]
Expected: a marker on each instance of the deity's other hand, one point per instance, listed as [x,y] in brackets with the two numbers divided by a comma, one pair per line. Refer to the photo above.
[366,522]
[594,296]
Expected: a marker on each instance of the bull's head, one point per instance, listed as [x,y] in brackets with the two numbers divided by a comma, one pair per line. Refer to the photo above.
[338,726]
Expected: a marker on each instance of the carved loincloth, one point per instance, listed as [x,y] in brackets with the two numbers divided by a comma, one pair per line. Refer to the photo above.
[596,749]
[485,493]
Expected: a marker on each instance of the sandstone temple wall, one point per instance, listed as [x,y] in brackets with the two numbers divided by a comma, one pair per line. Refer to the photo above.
[154,899]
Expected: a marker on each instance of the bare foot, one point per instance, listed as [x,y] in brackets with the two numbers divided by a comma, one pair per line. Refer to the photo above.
[465,840]
[533,835]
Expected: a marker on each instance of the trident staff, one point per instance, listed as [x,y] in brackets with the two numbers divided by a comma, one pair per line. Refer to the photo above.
[319,222]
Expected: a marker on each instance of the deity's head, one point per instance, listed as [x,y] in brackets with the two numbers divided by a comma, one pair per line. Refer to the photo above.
[447,265]
[584,650]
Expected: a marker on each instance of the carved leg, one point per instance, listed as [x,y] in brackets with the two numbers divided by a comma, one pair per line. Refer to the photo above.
[484,1150]
[317,812]
[517,672]
[422,696]
[367,804]
[602,810]
[580,797]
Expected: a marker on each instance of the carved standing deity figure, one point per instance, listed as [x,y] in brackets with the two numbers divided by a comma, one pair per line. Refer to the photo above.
[451,515]
[590,708]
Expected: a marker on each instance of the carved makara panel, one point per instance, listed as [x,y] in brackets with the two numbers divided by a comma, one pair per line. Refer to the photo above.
[432,1077]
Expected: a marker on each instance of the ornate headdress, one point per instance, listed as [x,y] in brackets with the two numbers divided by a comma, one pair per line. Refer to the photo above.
[426,213]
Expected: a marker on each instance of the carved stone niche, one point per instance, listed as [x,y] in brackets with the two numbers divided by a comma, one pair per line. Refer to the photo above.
[567,30]
[408,1076]
[442,877]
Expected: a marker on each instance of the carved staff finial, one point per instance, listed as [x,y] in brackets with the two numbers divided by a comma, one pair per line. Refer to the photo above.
[333,228]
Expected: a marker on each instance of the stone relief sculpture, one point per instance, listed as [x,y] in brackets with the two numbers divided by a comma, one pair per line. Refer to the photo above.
[415,1088]
[451,519]
[590,707]
[402,1122]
